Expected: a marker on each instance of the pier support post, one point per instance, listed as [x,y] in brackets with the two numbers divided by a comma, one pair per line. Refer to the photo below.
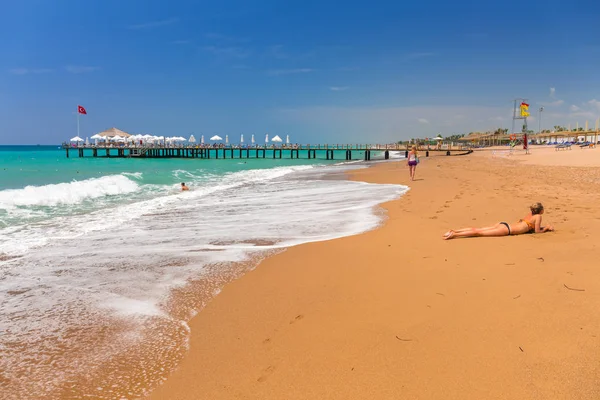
[427,153]
[387,154]
[406,154]
[67,150]
[448,152]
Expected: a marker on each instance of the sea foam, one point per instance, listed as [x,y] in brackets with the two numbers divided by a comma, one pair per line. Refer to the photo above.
[117,285]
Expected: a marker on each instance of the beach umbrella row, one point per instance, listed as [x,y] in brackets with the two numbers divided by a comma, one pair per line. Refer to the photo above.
[152,138]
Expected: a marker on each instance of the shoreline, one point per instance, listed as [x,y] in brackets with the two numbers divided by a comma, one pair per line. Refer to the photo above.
[397,311]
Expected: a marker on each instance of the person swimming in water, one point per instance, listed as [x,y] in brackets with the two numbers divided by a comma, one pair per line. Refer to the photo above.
[532,223]
[183,187]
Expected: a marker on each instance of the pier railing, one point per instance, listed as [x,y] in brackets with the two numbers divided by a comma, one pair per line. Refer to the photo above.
[327,152]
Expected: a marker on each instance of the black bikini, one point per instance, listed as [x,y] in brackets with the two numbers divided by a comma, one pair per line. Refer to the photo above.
[507,226]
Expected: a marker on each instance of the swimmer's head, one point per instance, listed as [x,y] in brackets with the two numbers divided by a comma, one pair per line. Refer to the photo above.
[182,183]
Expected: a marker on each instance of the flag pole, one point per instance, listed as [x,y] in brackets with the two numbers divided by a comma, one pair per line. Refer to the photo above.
[78,121]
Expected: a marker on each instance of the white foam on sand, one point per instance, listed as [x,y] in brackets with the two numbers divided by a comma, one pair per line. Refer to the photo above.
[118,267]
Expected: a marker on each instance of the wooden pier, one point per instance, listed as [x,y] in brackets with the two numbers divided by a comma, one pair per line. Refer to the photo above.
[326,152]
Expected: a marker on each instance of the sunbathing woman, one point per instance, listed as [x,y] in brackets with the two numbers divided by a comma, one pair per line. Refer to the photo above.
[532,223]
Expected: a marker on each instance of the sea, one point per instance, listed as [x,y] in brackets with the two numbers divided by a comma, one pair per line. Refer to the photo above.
[103,262]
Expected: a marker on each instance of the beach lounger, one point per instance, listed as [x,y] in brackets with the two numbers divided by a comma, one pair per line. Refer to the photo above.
[562,147]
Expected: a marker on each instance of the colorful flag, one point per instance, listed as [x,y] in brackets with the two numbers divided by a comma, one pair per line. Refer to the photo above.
[524,110]
[81,110]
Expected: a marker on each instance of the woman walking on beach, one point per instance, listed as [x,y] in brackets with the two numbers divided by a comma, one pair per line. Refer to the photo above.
[413,160]
[532,223]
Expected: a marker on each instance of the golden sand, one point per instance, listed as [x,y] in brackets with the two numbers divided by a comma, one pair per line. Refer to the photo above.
[399,313]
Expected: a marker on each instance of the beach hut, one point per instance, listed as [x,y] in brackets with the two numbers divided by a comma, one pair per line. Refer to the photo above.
[112,132]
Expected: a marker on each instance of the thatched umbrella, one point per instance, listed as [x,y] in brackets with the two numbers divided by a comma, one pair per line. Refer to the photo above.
[114,132]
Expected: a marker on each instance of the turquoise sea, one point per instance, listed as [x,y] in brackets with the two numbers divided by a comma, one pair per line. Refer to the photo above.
[104,261]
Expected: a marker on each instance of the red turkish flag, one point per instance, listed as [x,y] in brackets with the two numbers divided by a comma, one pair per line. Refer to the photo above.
[81,110]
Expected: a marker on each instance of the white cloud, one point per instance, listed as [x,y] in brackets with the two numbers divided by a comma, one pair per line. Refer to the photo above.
[394,123]
[233,52]
[574,108]
[277,72]
[423,120]
[154,24]
[338,88]
[25,71]
[552,91]
[595,104]
[80,69]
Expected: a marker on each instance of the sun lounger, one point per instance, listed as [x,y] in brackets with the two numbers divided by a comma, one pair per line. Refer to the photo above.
[562,147]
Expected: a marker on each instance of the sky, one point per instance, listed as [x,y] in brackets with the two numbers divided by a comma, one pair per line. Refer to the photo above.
[319,71]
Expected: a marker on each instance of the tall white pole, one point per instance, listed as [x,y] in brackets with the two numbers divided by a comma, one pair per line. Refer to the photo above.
[78,121]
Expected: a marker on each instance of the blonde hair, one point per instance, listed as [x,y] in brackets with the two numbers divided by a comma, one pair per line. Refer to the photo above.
[414,148]
[536,208]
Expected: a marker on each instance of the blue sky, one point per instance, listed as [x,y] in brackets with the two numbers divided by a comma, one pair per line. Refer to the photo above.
[320,71]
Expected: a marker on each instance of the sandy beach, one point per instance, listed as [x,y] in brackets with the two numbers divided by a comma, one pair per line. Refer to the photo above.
[399,313]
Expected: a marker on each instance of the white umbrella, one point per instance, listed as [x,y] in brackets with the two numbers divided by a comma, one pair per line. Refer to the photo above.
[439,138]
[287,139]
[202,139]
[276,138]
[96,137]
[76,139]
[216,137]
[242,138]
[116,138]
[181,138]
[192,139]
[87,141]
[252,139]
[267,138]
[227,139]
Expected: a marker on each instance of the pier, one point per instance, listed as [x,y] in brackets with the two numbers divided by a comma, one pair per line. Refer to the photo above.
[323,152]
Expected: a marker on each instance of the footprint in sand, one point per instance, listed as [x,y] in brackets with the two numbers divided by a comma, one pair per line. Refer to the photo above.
[267,341]
[266,373]
[298,318]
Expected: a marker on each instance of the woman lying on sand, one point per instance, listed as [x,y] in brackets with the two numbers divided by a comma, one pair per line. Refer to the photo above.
[531,223]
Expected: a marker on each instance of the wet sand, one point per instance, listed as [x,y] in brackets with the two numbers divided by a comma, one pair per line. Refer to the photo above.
[400,313]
